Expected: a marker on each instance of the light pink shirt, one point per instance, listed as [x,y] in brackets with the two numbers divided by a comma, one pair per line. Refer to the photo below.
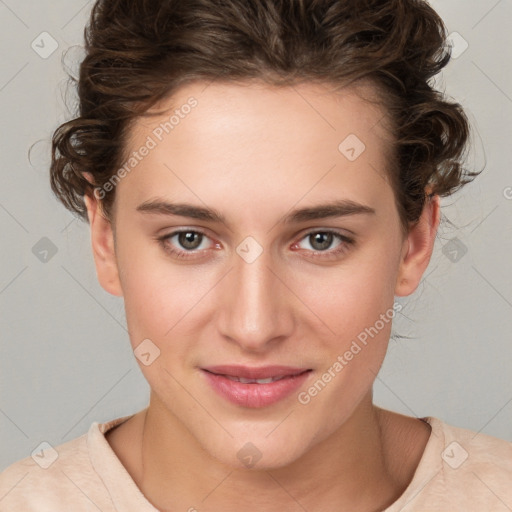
[460,470]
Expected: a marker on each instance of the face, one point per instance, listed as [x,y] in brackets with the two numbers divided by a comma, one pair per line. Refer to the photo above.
[257,271]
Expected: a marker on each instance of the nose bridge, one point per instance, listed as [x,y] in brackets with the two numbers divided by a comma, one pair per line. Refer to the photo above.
[257,310]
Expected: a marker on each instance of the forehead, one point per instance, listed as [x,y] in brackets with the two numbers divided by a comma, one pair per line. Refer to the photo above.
[302,110]
[257,138]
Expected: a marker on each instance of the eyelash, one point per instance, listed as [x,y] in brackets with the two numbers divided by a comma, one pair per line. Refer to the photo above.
[343,247]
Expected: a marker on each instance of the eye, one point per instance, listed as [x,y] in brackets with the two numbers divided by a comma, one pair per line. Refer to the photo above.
[322,241]
[189,243]
[184,243]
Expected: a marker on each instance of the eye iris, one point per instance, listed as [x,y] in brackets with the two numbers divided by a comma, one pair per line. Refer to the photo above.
[324,239]
[186,239]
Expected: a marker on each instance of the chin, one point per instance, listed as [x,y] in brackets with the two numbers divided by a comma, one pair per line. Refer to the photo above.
[258,451]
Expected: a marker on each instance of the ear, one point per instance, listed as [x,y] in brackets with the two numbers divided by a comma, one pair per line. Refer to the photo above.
[103,248]
[417,248]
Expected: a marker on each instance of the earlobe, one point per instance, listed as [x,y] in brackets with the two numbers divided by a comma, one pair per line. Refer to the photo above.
[417,248]
[102,240]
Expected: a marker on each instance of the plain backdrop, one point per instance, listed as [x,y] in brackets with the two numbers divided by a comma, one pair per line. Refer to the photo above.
[65,357]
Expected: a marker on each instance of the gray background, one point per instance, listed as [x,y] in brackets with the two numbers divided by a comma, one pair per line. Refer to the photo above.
[65,354]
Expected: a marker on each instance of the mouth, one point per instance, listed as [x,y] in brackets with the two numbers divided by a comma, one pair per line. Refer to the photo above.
[255,387]
[253,381]
[256,375]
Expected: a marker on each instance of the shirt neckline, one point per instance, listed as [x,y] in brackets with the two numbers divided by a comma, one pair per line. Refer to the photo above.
[429,466]
[123,491]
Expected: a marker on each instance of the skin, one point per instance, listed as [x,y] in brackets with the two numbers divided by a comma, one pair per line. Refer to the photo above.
[254,152]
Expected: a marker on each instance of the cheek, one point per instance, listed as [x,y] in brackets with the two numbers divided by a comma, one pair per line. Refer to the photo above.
[157,302]
[357,304]
[356,301]
[160,302]
[352,296]
[166,303]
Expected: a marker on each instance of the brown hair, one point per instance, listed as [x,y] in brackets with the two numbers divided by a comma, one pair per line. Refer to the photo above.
[140,51]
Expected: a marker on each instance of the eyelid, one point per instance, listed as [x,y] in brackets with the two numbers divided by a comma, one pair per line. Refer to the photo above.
[336,231]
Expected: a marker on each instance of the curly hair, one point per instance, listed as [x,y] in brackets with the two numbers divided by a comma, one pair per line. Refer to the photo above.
[138,52]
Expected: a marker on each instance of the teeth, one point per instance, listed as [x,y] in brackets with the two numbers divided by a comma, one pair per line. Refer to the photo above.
[253,381]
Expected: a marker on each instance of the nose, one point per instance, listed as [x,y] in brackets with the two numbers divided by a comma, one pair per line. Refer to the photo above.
[256,304]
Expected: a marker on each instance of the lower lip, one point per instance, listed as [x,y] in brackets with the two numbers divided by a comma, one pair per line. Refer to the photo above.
[255,395]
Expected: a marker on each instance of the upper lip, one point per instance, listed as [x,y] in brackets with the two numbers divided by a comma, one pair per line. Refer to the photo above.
[262,372]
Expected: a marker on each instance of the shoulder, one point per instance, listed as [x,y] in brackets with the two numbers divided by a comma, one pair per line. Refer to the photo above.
[52,477]
[475,450]
[462,470]
[483,456]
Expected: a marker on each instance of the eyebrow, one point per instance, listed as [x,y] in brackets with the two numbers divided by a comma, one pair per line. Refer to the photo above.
[339,208]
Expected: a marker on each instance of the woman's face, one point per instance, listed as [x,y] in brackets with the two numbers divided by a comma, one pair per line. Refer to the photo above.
[280,280]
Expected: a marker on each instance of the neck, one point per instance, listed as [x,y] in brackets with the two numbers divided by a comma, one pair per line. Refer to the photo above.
[350,470]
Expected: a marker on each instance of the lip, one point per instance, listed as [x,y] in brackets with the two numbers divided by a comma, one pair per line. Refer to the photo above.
[254,395]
